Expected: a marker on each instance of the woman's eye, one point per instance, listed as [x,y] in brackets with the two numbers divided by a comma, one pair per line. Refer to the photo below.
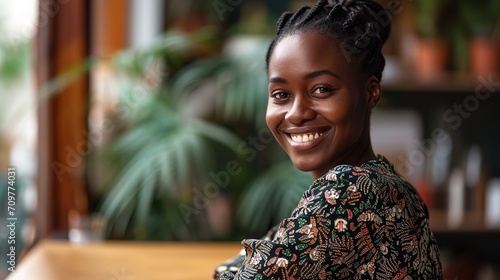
[323,90]
[280,95]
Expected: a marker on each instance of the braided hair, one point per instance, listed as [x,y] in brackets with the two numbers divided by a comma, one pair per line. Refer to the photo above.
[356,26]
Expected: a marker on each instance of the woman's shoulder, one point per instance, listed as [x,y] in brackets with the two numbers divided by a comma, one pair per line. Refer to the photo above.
[378,169]
[375,183]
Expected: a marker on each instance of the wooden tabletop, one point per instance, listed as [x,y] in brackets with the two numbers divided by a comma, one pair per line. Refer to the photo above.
[58,260]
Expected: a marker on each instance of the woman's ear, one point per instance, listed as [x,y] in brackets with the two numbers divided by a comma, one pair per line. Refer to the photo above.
[373,91]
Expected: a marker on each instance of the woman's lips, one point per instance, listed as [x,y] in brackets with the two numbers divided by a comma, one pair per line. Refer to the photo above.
[304,141]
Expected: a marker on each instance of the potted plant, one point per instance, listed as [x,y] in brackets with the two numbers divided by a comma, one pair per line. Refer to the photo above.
[431,50]
[482,19]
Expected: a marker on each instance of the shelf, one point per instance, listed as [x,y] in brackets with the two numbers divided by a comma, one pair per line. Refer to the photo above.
[471,222]
[446,83]
[478,245]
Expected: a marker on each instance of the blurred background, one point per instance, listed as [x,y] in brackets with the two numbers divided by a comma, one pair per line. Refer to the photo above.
[144,120]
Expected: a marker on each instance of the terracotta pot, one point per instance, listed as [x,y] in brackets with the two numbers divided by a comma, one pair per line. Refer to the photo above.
[431,58]
[484,56]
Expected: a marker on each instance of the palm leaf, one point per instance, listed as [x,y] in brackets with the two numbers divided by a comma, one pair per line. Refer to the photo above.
[240,82]
[161,154]
[272,197]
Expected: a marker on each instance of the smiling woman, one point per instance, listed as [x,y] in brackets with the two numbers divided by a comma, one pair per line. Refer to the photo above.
[359,219]
[316,94]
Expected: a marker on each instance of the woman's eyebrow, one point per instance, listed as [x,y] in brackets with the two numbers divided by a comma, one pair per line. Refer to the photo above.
[315,74]
[321,73]
[277,80]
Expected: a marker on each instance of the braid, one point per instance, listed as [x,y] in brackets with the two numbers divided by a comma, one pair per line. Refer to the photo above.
[350,23]
[378,59]
[351,20]
[377,52]
[320,5]
[374,63]
[282,21]
[349,2]
[298,14]
[364,39]
[334,12]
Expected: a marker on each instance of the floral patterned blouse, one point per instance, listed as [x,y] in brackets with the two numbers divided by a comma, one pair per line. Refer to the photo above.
[353,223]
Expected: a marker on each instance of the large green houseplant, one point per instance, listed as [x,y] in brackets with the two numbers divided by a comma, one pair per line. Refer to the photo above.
[196,123]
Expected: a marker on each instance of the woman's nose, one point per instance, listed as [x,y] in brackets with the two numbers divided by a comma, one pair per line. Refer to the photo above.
[300,112]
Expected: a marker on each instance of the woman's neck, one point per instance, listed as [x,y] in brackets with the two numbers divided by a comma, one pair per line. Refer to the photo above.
[359,154]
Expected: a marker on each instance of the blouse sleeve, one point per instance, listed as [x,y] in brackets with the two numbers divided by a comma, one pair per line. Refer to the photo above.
[226,270]
[299,248]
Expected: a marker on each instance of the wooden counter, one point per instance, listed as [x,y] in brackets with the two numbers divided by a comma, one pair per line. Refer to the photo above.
[57,260]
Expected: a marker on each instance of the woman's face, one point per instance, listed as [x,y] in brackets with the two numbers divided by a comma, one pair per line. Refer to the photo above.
[319,104]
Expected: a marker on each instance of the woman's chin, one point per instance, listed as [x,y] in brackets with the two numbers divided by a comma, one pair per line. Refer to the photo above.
[304,166]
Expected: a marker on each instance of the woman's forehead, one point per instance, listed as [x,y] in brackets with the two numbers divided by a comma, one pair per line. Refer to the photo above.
[305,52]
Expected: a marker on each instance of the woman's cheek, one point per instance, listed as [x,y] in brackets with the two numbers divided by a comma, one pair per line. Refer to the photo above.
[274,115]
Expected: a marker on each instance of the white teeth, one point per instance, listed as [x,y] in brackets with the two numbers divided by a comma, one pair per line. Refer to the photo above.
[302,138]
[297,139]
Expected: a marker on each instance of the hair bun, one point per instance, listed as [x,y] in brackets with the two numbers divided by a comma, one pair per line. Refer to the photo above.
[371,11]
